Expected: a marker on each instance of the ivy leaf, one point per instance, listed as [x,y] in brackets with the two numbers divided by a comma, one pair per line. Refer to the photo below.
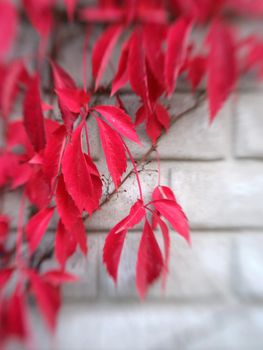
[65,244]
[9,24]
[114,151]
[57,277]
[4,227]
[137,68]
[77,176]
[177,38]
[47,298]
[70,4]
[78,230]
[102,51]
[122,75]
[115,239]
[221,58]
[172,212]
[53,153]
[33,115]
[119,120]
[66,207]
[196,70]
[149,261]
[37,226]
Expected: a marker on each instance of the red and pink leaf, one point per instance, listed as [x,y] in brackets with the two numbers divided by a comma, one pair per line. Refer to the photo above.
[37,226]
[33,115]
[114,151]
[149,261]
[102,51]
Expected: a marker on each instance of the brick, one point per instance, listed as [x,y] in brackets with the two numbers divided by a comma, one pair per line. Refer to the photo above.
[249,126]
[220,194]
[248,271]
[200,272]
[192,137]
[158,326]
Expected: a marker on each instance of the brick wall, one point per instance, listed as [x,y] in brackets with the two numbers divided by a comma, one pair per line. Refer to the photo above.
[214,294]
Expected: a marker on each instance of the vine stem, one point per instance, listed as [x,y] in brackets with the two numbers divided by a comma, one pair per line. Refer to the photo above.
[135,170]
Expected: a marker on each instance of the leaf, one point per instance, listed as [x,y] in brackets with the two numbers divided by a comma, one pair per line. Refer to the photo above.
[167,244]
[114,151]
[70,4]
[136,214]
[103,50]
[163,192]
[33,115]
[197,70]
[53,153]
[78,230]
[221,66]
[4,227]
[122,76]
[177,38]
[72,99]
[57,277]
[47,297]
[162,116]
[38,189]
[77,176]
[66,207]
[172,212]
[137,68]
[113,248]
[149,261]
[65,244]
[63,84]
[37,226]
[9,24]
[119,120]
[5,275]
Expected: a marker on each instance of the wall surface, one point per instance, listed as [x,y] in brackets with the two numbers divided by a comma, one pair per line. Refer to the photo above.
[214,295]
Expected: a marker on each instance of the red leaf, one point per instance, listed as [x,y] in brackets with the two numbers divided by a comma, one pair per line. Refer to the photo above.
[73,99]
[66,207]
[102,51]
[37,226]
[33,115]
[114,151]
[149,261]
[53,153]
[137,68]
[115,239]
[113,247]
[162,116]
[78,230]
[163,192]
[64,82]
[57,277]
[9,23]
[5,275]
[153,127]
[167,243]
[136,214]
[176,50]
[172,212]
[4,227]
[222,68]
[77,176]
[196,70]
[65,244]
[47,297]
[122,76]
[71,4]
[62,79]
[119,120]
[38,189]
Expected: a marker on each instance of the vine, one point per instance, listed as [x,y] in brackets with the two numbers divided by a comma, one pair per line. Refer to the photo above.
[46,157]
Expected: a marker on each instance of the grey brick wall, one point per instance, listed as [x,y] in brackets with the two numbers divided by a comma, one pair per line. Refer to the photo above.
[214,294]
